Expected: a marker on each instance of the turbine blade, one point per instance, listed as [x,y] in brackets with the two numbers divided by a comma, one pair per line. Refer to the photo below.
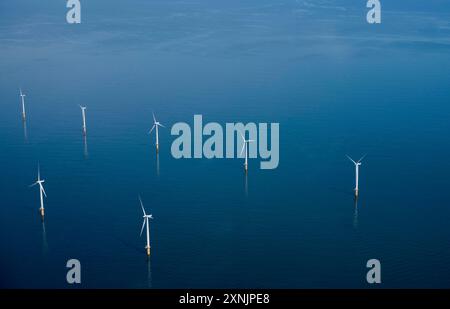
[32,185]
[251,140]
[42,188]
[351,159]
[161,125]
[151,129]
[142,205]
[243,147]
[143,224]
[243,138]
[154,119]
[362,158]
[39,172]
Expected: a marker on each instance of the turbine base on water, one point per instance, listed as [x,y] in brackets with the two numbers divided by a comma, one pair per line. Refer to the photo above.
[356,193]
[157,147]
[148,250]
[246,168]
[42,212]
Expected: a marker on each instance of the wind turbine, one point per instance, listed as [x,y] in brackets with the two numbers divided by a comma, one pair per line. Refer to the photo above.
[146,223]
[355,215]
[22,96]
[156,124]
[83,113]
[39,182]
[357,165]
[245,146]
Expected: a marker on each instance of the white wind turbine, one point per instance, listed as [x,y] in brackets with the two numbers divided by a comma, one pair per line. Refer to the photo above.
[39,182]
[156,124]
[245,146]
[357,165]
[83,113]
[22,96]
[146,223]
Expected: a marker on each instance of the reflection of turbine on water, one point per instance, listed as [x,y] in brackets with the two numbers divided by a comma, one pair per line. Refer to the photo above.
[25,131]
[44,239]
[157,164]
[355,215]
[86,154]
[246,184]
[149,273]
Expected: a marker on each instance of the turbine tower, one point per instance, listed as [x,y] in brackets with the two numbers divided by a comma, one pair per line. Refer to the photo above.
[147,224]
[245,146]
[22,96]
[83,113]
[156,124]
[39,182]
[357,165]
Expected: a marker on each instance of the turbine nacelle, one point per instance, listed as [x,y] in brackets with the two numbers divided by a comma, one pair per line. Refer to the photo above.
[41,187]
[39,182]
[357,163]
[246,141]
[155,124]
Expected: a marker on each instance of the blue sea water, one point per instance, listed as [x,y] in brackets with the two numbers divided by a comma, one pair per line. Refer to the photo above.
[336,85]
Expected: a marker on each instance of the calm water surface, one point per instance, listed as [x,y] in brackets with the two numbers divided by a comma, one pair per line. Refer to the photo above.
[334,83]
